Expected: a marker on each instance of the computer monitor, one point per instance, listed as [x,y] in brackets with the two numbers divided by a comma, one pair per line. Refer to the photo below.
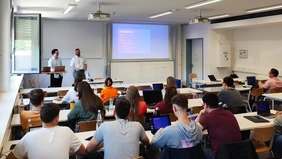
[158,86]
[251,80]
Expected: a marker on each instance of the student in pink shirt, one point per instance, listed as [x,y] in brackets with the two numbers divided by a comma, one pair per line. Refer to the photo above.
[273,82]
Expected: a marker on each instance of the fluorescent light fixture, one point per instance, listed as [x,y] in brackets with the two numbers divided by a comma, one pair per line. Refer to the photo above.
[194,5]
[161,14]
[218,16]
[264,8]
[69,8]
[76,0]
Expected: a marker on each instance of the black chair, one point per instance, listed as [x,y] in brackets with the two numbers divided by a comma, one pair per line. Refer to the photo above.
[195,152]
[236,109]
[240,150]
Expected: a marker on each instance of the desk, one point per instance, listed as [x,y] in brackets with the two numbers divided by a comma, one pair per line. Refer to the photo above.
[209,83]
[102,81]
[218,89]
[273,97]
[188,90]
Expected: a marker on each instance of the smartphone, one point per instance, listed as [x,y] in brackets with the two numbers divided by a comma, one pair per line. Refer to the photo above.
[89,138]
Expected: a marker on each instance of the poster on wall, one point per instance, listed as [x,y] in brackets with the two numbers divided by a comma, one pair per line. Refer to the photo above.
[243,54]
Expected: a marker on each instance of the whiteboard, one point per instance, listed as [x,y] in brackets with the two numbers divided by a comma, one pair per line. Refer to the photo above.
[136,72]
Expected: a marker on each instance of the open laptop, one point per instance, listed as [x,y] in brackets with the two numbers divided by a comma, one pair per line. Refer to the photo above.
[158,86]
[263,109]
[59,68]
[251,80]
[157,122]
[46,69]
[152,97]
[212,78]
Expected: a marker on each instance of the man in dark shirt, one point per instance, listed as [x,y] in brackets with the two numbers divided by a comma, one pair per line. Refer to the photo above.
[221,124]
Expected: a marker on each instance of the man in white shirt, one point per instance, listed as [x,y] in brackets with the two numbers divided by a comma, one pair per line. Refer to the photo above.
[79,65]
[50,141]
[55,79]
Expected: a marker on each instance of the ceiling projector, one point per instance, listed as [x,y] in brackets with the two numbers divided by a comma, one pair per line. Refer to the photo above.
[199,20]
[99,15]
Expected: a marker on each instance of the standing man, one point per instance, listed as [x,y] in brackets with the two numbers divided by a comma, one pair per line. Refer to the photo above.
[55,79]
[78,64]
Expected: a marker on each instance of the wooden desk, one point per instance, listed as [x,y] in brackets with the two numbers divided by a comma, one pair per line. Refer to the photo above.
[273,97]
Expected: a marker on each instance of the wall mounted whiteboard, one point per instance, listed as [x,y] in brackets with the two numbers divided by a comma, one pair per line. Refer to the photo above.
[69,35]
[136,72]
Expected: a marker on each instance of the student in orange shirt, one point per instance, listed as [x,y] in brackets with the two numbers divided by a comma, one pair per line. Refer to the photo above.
[108,91]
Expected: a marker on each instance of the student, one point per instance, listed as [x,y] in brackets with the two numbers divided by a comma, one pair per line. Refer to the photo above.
[170,82]
[221,124]
[229,96]
[121,137]
[108,91]
[273,82]
[78,64]
[56,79]
[87,106]
[166,106]
[72,94]
[184,133]
[50,141]
[233,75]
[137,107]
[36,97]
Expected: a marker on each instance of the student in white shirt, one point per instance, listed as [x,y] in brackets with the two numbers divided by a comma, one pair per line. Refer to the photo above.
[55,79]
[72,94]
[50,141]
[79,65]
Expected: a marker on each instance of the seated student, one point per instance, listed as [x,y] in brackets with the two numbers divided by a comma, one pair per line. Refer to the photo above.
[277,141]
[221,124]
[36,97]
[169,82]
[72,93]
[87,106]
[121,137]
[137,107]
[50,141]
[233,75]
[229,96]
[184,133]
[165,106]
[273,82]
[108,91]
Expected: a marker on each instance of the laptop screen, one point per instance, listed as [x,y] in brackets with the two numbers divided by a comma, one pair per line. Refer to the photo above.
[263,108]
[158,86]
[251,80]
[152,96]
[158,122]
[212,78]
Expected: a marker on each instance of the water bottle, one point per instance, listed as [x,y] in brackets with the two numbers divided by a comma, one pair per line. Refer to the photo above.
[111,102]
[246,82]
[157,112]
[99,119]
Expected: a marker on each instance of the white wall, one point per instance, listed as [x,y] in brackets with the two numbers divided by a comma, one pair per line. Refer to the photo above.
[63,35]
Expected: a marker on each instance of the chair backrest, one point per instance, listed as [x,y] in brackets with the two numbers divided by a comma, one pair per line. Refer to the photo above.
[256,92]
[99,78]
[192,75]
[263,134]
[140,88]
[237,109]
[99,90]
[244,149]
[274,90]
[86,125]
[62,93]
[189,95]
[172,117]
[197,109]
[195,152]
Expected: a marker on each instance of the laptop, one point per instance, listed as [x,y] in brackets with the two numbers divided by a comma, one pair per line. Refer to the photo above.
[212,78]
[46,69]
[157,122]
[158,86]
[152,97]
[263,109]
[59,68]
[251,80]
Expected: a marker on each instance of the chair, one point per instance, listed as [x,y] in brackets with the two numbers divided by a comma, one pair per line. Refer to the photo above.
[197,109]
[243,149]
[275,90]
[172,117]
[99,90]
[62,93]
[32,83]
[236,109]
[191,77]
[86,125]
[261,135]
[99,78]
[195,152]
[140,88]
[253,95]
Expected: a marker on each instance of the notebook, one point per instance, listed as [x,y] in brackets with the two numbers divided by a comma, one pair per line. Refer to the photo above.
[59,68]
[157,122]
[152,97]
[46,69]
[212,78]
[263,109]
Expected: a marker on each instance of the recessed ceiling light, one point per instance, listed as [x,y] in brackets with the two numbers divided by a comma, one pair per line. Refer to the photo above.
[200,4]
[161,14]
[264,8]
[218,16]
[69,8]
